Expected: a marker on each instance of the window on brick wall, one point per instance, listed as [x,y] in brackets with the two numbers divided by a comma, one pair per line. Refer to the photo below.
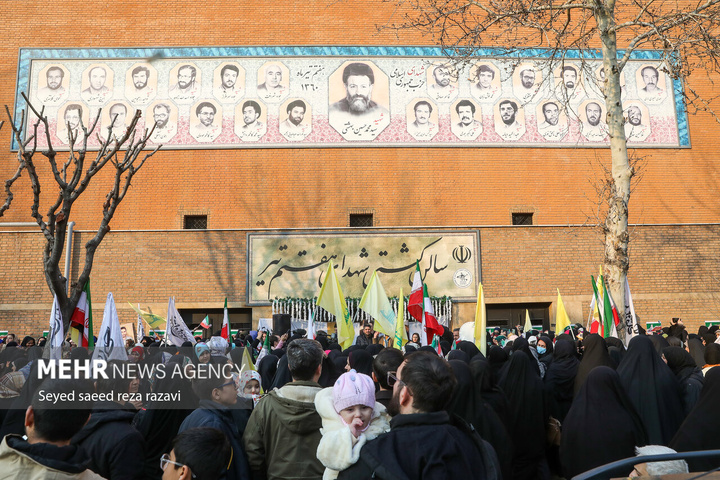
[522,218]
[510,315]
[195,222]
[361,219]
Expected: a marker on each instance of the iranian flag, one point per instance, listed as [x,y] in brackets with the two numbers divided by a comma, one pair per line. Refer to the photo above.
[416,303]
[436,345]
[430,323]
[206,322]
[225,332]
[81,320]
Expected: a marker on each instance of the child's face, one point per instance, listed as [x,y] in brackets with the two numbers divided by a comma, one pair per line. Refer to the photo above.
[357,417]
[252,387]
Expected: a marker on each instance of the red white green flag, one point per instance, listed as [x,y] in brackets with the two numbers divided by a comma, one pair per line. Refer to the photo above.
[225,332]
[206,322]
[81,320]
[416,303]
[430,323]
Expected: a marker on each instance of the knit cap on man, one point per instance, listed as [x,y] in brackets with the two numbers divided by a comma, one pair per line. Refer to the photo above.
[353,388]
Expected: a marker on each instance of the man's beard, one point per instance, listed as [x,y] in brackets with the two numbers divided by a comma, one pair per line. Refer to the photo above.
[570,85]
[594,123]
[294,121]
[54,86]
[393,407]
[551,121]
[161,125]
[359,104]
[527,84]
[183,85]
[635,122]
[444,82]
[140,85]
[510,120]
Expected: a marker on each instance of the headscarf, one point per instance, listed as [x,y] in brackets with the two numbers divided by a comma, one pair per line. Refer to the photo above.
[659,342]
[526,398]
[688,374]
[615,342]
[201,347]
[595,355]
[697,350]
[267,368]
[458,355]
[521,345]
[560,378]
[374,348]
[699,431]
[712,354]
[243,380]
[602,426]
[282,375]
[653,390]
[361,361]
[546,357]
[489,390]
[140,351]
[469,348]
[497,357]
[467,403]
[26,340]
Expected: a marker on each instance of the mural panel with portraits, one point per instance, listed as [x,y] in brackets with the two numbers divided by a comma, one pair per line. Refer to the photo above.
[360,96]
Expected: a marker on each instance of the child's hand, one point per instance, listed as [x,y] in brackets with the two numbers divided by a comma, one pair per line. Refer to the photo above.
[356,427]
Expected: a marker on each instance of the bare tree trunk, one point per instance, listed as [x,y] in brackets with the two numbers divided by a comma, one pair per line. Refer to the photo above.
[617,238]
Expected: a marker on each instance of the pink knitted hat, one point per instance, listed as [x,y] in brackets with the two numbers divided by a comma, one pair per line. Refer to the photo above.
[353,388]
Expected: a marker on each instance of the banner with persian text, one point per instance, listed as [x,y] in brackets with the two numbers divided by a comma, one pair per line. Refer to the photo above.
[293,265]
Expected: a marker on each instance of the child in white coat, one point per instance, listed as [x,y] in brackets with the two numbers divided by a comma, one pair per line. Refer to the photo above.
[350,417]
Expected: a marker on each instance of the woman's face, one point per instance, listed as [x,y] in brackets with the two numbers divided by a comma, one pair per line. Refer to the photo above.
[134,357]
[134,385]
[416,338]
[204,357]
[540,343]
[347,365]
[252,387]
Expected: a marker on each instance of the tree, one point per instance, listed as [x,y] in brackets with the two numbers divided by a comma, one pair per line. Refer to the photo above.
[685,32]
[126,153]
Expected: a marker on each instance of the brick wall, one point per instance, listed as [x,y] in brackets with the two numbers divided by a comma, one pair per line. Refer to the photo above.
[673,272]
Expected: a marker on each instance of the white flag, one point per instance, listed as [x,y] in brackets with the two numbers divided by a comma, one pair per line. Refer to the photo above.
[56,331]
[176,332]
[140,328]
[110,344]
[631,326]
[311,327]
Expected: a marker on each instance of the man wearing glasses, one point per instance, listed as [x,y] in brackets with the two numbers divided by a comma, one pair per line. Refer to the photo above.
[217,392]
[199,453]
[444,446]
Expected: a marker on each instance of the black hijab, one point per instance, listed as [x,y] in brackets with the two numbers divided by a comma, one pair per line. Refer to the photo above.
[595,355]
[282,375]
[267,368]
[374,348]
[680,362]
[497,356]
[526,398]
[361,361]
[659,342]
[653,390]
[467,403]
[615,342]
[602,426]
[521,345]
[469,348]
[458,355]
[712,354]
[699,431]
[546,357]
[494,396]
[697,350]
[560,378]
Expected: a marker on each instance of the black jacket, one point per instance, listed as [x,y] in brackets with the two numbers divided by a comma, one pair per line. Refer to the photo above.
[115,448]
[426,445]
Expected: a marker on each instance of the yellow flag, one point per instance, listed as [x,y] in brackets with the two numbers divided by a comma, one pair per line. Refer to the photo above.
[562,320]
[400,333]
[153,320]
[375,302]
[480,321]
[331,299]
[528,323]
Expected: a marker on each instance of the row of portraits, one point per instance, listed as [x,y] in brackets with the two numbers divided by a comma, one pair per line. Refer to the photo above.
[357,98]
[423,120]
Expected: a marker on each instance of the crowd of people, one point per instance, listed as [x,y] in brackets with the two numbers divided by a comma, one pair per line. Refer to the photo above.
[534,405]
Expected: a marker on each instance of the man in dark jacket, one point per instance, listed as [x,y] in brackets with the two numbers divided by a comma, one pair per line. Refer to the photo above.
[283,433]
[366,337]
[387,360]
[217,392]
[424,442]
[108,438]
[47,452]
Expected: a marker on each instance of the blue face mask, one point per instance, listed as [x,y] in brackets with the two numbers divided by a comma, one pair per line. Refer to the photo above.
[541,350]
